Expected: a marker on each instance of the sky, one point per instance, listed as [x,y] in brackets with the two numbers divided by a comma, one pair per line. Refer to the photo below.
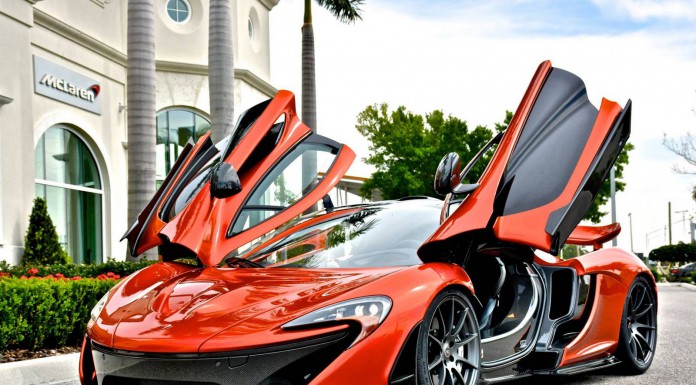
[474,60]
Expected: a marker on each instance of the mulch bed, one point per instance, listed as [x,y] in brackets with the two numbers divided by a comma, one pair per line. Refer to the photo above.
[12,355]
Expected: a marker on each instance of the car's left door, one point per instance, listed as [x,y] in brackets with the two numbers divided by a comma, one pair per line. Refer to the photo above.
[271,151]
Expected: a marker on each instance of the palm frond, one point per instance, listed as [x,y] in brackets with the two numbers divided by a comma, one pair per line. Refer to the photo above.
[346,11]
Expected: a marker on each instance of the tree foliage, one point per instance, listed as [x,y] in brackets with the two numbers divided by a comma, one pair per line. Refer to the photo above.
[346,11]
[682,252]
[406,148]
[41,246]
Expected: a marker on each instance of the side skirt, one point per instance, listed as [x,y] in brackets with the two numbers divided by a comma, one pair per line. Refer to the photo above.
[582,367]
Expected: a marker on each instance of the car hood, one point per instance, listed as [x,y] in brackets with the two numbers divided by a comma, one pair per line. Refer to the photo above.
[170,308]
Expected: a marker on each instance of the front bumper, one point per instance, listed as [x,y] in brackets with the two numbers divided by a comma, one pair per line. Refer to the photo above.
[293,363]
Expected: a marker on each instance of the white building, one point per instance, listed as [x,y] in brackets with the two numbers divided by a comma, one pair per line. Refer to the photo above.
[63,133]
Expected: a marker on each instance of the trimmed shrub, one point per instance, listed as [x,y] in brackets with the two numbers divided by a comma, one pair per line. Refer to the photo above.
[47,312]
[121,268]
[41,246]
[693,276]
[679,253]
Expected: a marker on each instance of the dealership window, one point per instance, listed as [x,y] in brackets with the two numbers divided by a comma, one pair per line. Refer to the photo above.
[175,127]
[68,178]
[179,10]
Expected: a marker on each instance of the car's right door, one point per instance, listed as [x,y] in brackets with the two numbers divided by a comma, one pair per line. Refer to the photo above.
[546,171]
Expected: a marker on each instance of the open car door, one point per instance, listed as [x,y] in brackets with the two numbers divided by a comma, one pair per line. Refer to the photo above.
[265,184]
[544,174]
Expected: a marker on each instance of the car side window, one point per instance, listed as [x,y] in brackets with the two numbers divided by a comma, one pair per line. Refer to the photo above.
[285,184]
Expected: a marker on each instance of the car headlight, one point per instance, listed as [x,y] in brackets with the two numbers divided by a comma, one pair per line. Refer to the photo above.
[94,314]
[369,311]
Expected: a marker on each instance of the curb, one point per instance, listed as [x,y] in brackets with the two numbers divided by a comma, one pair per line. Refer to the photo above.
[687,286]
[677,284]
[60,369]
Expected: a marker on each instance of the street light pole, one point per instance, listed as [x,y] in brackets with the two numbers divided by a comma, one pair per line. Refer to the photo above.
[630,227]
[669,220]
[612,184]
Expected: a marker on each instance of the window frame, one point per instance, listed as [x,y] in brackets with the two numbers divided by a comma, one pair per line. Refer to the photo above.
[176,9]
[313,138]
[100,174]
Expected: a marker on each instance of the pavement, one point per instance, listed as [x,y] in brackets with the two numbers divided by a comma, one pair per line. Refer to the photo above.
[48,370]
[674,363]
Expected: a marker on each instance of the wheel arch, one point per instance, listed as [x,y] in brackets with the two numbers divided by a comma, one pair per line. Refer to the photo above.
[651,280]
[468,292]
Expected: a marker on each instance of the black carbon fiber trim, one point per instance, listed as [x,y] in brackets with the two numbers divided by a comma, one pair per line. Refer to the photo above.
[248,367]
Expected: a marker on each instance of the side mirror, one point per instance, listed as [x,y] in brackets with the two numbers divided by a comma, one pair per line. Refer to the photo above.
[224,181]
[447,174]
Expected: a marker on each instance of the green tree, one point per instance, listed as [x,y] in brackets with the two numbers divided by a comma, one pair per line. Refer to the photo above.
[573,251]
[41,246]
[679,253]
[406,149]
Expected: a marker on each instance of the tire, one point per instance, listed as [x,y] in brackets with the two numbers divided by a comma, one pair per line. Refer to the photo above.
[448,350]
[638,334]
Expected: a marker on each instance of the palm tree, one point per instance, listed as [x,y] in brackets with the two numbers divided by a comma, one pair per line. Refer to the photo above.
[140,99]
[220,69]
[346,11]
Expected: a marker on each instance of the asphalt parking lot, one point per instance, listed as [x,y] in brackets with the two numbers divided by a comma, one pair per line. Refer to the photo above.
[675,358]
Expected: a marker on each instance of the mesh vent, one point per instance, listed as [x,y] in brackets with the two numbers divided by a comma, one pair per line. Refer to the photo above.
[115,380]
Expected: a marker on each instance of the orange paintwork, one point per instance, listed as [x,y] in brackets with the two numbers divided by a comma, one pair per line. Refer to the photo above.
[615,270]
[149,217]
[176,308]
[208,238]
[169,307]
[600,336]
[528,227]
[594,236]
[85,370]
[476,210]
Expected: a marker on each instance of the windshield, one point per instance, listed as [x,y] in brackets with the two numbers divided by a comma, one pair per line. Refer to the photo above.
[374,236]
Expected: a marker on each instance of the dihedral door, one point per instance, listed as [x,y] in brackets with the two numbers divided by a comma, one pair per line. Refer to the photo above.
[268,149]
[546,171]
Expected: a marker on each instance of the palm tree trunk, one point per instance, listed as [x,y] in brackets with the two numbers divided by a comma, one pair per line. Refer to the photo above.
[221,69]
[141,107]
[309,93]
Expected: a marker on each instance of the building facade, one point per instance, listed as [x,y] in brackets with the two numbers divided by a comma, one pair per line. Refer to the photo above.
[63,133]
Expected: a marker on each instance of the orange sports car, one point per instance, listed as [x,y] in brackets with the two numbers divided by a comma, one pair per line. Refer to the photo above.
[258,285]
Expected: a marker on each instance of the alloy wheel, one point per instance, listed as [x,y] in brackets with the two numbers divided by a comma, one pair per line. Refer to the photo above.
[641,322]
[453,347]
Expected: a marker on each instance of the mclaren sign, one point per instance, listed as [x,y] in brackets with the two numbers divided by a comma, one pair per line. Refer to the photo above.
[62,84]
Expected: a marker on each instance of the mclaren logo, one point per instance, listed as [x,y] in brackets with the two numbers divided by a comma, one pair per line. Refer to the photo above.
[88,94]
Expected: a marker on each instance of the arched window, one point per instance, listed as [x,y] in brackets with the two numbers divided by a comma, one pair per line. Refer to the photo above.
[175,127]
[68,178]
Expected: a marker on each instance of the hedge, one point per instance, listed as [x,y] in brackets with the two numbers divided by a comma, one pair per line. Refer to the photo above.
[122,268]
[681,252]
[47,312]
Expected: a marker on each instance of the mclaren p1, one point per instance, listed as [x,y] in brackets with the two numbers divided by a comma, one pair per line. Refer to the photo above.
[259,285]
